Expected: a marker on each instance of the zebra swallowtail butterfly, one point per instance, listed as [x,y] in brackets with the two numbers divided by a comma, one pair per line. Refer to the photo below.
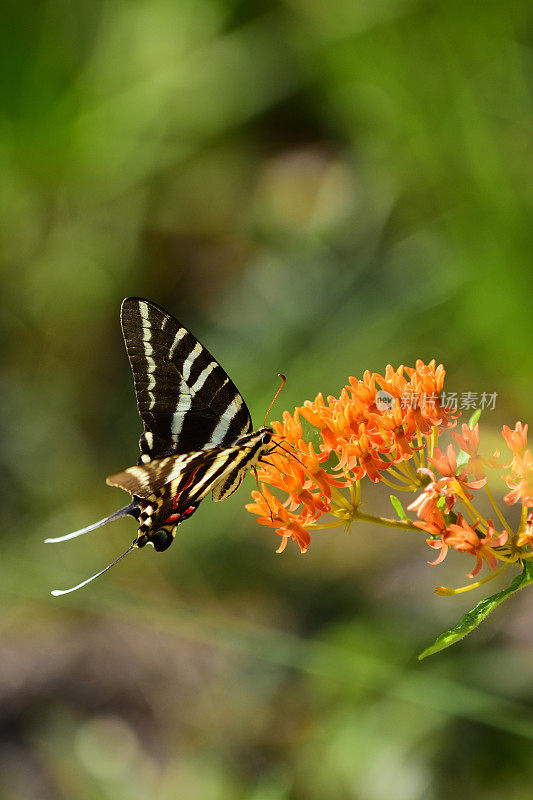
[198,435]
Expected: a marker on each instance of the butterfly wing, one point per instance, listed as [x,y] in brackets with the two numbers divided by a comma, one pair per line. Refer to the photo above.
[185,399]
[190,475]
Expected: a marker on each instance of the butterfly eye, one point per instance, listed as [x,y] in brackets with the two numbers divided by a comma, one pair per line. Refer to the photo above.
[266,438]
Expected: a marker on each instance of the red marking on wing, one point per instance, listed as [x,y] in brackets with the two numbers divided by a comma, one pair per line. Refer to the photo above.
[176,499]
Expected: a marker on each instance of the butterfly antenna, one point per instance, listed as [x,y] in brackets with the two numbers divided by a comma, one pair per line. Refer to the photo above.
[57,592]
[283,379]
[288,453]
[122,512]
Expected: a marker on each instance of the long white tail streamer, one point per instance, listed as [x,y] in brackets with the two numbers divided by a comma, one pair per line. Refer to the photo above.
[122,512]
[57,592]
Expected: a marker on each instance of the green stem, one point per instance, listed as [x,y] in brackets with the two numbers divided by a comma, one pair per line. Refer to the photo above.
[472,509]
[434,439]
[402,477]
[390,523]
[421,451]
[315,526]
[340,499]
[395,486]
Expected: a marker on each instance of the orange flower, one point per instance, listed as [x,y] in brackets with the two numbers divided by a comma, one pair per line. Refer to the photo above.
[516,438]
[436,525]
[359,431]
[361,457]
[425,505]
[375,423]
[291,427]
[318,476]
[463,538]
[520,481]
[293,530]
[469,443]
[287,474]
[526,537]
[272,513]
[453,482]
[446,464]
[426,383]
[268,507]
[321,416]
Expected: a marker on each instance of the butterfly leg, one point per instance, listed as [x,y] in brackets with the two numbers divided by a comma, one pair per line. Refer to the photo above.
[254,470]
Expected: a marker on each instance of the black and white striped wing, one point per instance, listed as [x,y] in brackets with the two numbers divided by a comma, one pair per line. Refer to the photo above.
[186,400]
[189,475]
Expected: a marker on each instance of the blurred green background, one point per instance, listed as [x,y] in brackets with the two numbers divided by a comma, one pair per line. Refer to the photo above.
[315,188]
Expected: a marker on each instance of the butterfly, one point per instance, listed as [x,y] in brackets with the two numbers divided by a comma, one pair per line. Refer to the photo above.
[198,435]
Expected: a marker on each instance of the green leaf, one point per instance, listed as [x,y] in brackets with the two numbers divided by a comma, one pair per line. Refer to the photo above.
[474,418]
[462,458]
[398,507]
[472,618]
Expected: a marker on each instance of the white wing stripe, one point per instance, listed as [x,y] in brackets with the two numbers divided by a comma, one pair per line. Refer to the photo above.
[202,377]
[148,350]
[222,427]
[211,471]
[177,339]
[191,358]
[183,406]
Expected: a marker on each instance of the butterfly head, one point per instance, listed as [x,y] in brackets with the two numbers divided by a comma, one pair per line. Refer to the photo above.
[266,434]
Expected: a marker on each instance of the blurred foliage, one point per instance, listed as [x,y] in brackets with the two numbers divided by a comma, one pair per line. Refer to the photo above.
[311,187]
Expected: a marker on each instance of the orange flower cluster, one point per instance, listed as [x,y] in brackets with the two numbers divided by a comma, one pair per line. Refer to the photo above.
[386,428]
[374,424]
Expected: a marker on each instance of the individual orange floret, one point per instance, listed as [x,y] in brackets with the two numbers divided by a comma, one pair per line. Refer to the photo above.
[426,385]
[463,538]
[526,536]
[520,481]
[516,438]
[394,382]
[268,508]
[295,531]
[425,504]
[436,526]
[426,379]
[361,457]
[273,514]
[358,400]
[453,482]
[321,416]
[291,427]
[396,432]
[468,441]
[316,474]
